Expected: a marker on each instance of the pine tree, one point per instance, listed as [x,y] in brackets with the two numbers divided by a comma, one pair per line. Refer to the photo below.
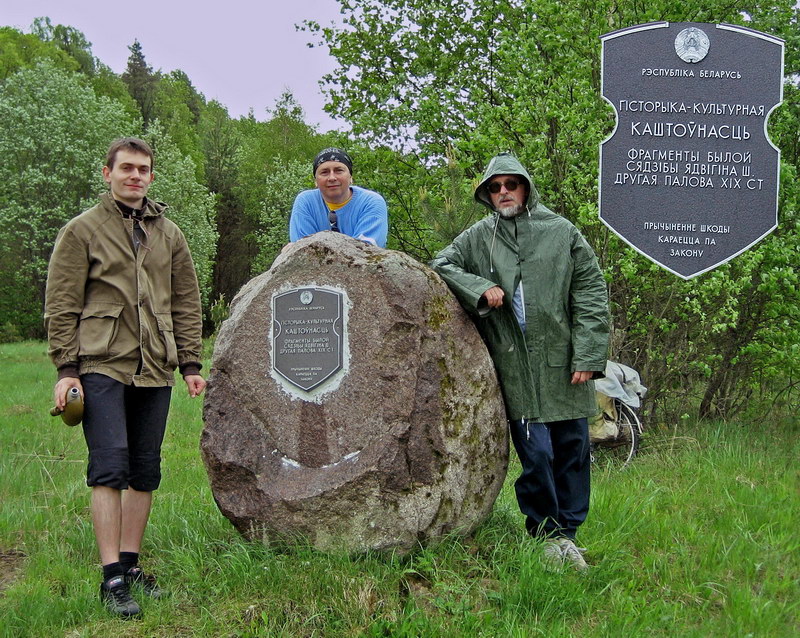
[141,81]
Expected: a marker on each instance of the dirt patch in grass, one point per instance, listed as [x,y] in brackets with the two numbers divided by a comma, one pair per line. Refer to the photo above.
[10,567]
[18,410]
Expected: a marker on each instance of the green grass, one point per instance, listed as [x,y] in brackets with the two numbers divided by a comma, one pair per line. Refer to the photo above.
[696,538]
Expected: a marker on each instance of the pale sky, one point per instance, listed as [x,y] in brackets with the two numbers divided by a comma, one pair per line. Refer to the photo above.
[242,53]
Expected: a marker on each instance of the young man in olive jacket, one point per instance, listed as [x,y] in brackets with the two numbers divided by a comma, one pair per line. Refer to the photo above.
[539,300]
[122,311]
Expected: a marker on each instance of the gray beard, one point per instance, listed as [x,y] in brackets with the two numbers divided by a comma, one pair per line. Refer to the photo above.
[511,212]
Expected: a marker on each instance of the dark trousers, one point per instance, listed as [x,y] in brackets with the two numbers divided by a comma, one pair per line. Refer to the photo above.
[553,489]
[124,427]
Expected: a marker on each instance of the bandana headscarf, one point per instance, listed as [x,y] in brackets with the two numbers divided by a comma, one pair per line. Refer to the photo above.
[333,155]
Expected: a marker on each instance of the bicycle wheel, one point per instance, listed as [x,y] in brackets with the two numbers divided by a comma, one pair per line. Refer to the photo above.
[621,449]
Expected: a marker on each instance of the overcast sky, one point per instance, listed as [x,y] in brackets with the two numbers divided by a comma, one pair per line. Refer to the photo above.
[242,53]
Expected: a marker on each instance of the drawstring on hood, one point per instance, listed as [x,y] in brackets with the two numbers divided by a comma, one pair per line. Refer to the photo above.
[494,235]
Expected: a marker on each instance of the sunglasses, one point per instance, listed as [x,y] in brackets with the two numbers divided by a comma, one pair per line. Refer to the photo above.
[510,184]
[334,221]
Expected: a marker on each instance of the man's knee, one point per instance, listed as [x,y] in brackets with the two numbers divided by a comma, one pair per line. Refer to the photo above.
[145,473]
[108,467]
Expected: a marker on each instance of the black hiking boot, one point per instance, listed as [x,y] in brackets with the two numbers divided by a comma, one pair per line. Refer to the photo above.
[136,577]
[116,596]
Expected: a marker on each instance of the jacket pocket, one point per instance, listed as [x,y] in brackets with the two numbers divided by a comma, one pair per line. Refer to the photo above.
[164,320]
[98,328]
[559,355]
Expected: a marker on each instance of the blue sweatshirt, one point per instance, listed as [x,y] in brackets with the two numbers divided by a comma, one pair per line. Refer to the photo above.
[363,217]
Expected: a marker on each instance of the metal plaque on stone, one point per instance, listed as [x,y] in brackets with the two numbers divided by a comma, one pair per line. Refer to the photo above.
[689,177]
[308,328]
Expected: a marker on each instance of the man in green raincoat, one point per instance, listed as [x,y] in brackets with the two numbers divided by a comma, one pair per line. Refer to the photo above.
[532,283]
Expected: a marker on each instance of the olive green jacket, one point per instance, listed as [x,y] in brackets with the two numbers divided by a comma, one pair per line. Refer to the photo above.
[565,302]
[131,315]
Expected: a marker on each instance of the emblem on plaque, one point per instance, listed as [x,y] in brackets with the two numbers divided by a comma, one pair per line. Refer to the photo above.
[691,45]
[308,328]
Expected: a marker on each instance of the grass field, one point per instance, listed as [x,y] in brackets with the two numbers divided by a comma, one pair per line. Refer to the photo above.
[698,537]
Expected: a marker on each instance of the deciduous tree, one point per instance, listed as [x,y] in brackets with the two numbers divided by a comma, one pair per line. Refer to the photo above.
[54,132]
[191,205]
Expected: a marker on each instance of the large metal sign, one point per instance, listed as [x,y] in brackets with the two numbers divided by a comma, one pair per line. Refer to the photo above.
[307,335]
[689,177]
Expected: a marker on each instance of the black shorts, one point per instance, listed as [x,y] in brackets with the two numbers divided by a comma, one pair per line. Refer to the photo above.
[124,427]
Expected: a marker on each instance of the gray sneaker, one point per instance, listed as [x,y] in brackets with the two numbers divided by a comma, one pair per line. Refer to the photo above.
[558,553]
[573,554]
[552,557]
[116,596]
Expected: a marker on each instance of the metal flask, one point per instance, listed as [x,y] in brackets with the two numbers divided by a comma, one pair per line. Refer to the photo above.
[72,414]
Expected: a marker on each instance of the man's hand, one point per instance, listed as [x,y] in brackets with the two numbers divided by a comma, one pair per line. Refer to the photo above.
[195,384]
[581,377]
[494,296]
[60,391]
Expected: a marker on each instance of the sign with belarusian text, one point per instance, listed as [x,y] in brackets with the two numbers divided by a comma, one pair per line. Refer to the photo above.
[689,177]
[307,333]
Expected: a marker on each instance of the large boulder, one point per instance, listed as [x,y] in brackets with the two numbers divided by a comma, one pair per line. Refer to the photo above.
[404,440]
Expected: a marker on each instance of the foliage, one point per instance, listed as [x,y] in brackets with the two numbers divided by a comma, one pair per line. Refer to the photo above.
[191,206]
[274,165]
[221,142]
[9,333]
[75,48]
[695,538]
[69,40]
[178,107]
[448,203]
[54,132]
[219,312]
[524,76]
[106,83]
[280,188]
[266,145]
[23,51]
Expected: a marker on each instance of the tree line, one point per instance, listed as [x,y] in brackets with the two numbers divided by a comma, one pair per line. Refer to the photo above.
[229,182]
[428,100]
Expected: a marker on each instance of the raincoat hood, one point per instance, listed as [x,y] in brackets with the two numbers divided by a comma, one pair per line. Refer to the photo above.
[505,164]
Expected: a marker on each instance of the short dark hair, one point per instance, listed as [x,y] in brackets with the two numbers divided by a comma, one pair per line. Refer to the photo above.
[133,144]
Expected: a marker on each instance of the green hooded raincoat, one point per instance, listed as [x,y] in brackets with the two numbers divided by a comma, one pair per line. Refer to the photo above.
[565,300]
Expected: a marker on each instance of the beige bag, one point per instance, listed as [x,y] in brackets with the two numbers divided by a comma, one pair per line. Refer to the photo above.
[604,426]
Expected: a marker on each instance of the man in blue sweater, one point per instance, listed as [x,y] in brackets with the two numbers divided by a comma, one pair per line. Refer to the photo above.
[338,205]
